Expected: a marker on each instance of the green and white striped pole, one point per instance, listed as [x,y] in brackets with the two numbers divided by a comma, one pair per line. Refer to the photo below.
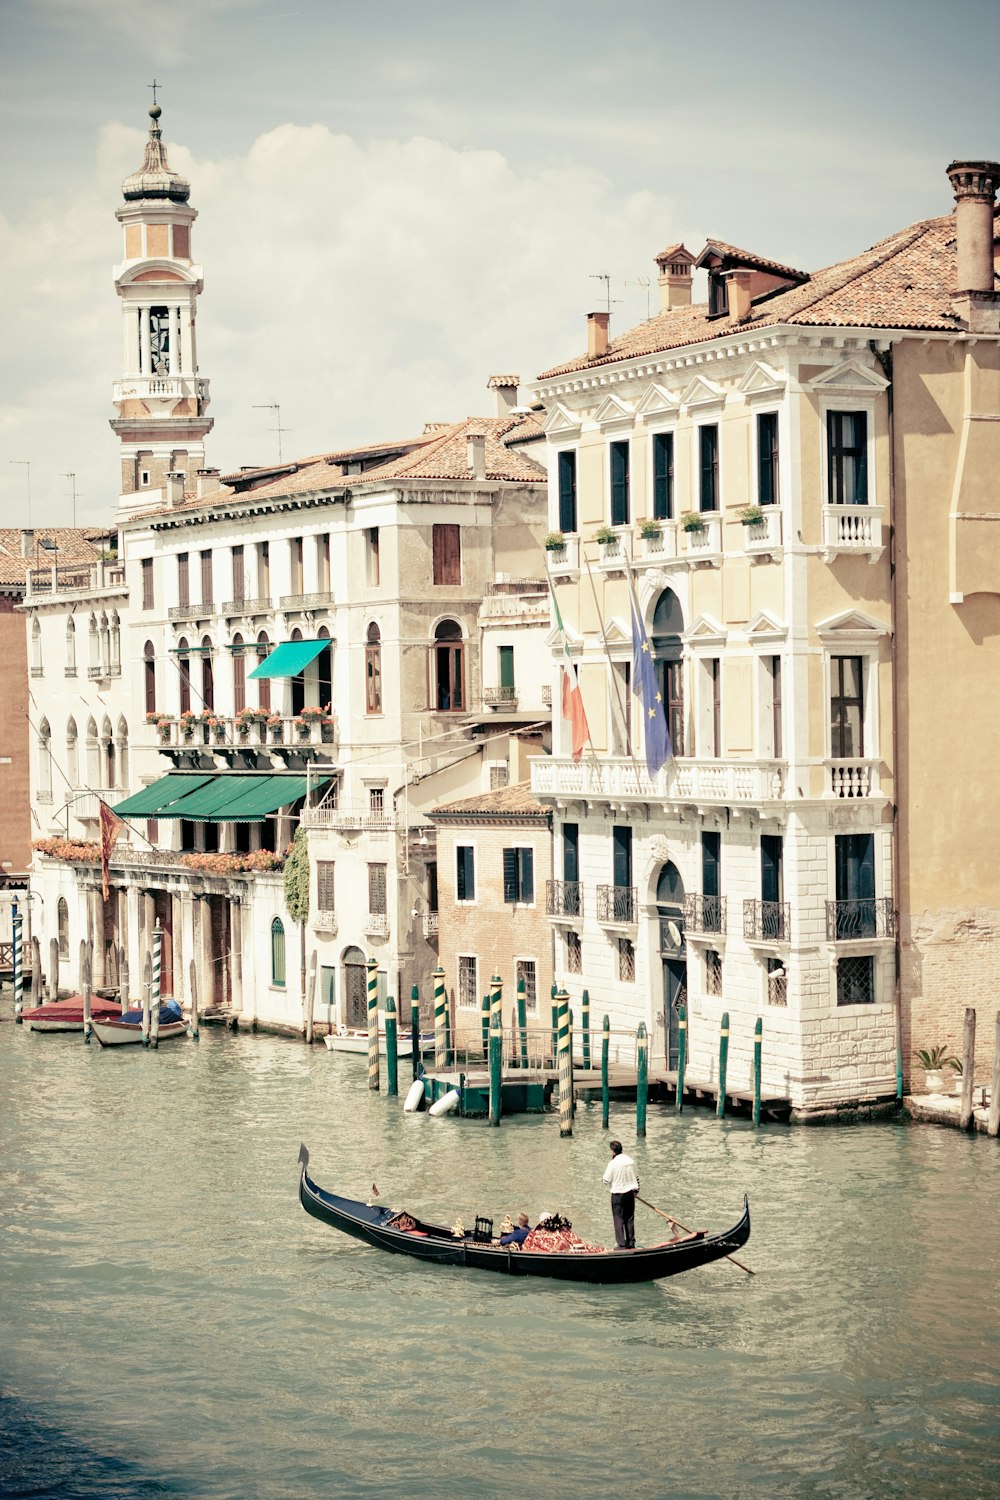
[555,1029]
[758,1038]
[391,1053]
[522,1020]
[154,995]
[585,1008]
[373,1025]
[484,1020]
[415,1028]
[440,1022]
[565,1064]
[605,1089]
[682,1042]
[723,1059]
[16,963]
[641,1078]
[496,1066]
[496,1002]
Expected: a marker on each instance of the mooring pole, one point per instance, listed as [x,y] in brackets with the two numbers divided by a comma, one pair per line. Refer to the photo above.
[496,1002]
[585,1023]
[415,1028]
[18,975]
[682,1034]
[147,990]
[641,1078]
[391,1052]
[155,986]
[440,1026]
[555,1029]
[484,1020]
[968,1068]
[522,1019]
[122,978]
[87,1023]
[372,1025]
[993,1123]
[723,1058]
[36,972]
[193,1021]
[310,999]
[758,1038]
[565,1065]
[605,1090]
[496,1066]
[53,968]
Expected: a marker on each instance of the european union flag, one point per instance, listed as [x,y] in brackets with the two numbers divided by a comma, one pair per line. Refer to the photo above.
[645,685]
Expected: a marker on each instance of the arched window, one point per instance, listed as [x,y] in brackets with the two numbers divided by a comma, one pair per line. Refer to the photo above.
[72,760]
[94,647]
[207,674]
[668,628]
[121,743]
[263,683]
[324,668]
[373,671]
[93,755]
[448,684]
[104,651]
[239,675]
[62,926]
[277,954]
[159,340]
[184,672]
[107,755]
[116,646]
[44,761]
[70,647]
[36,647]
[149,676]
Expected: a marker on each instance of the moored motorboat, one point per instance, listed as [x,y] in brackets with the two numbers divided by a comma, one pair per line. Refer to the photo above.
[67,1015]
[121,1031]
[357,1042]
[404,1234]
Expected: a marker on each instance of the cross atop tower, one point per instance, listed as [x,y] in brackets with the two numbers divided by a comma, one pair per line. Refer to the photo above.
[154,86]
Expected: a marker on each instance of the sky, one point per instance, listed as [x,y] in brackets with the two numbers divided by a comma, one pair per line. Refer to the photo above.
[399,198]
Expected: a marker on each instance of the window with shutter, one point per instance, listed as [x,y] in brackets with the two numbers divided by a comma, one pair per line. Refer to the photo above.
[239,591]
[518,876]
[147,583]
[206,578]
[708,452]
[767,458]
[465,873]
[847,457]
[510,876]
[377,890]
[663,476]
[183,580]
[324,885]
[447,550]
[619,483]
[567,492]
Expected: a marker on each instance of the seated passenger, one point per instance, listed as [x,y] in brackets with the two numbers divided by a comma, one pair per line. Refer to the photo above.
[519,1234]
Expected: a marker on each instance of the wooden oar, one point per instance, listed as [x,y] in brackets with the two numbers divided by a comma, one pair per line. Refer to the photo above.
[671,1220]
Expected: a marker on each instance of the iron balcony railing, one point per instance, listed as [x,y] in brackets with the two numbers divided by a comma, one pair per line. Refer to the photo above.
[767,921]
[293,603]
[869,918]
[616,904]
[705,913]
[236,607]
[563,898]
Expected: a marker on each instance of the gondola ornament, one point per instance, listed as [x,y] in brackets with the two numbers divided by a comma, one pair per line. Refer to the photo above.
[458,1229]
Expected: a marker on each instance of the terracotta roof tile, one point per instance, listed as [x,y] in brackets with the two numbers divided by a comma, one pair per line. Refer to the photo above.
[748,258]
[446,455]
[507,801]
[71,543]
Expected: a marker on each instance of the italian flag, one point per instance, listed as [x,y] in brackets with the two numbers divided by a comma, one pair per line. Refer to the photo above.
[572,698]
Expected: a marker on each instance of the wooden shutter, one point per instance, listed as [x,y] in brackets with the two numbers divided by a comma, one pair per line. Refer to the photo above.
[376,890]
[571,851]
[567,492]
[510,882]
[238,574]
[183,580]
[206,578]
[710,861]
[324,885]
[622,855]
[619,484]
[770,867]
[663,475]
[447,549]
[147,583]
[527,874]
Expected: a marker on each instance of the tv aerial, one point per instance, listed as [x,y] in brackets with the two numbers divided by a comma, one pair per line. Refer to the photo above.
[644,283]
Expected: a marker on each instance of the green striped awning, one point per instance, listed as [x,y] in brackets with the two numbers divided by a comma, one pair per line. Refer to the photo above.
[289,659]
[221,799]
[159,794]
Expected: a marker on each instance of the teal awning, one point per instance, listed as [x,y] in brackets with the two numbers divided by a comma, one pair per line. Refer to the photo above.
[159,794]
[219,799]
[289,659]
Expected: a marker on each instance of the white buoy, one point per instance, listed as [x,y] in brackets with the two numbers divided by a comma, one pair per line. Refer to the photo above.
[446,1104]
[414,1096]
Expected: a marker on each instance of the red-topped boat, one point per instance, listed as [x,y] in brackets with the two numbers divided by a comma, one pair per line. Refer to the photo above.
[67,1015]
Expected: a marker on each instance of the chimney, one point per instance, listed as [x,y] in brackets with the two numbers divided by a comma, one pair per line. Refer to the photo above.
[738,292]
[674,265]
[174,488]
[208,480]
[476,453]
[27,543]
[597,334]
[974,184]
[505,387]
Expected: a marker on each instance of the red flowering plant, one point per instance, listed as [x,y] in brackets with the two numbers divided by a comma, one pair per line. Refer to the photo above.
[260,861]
[314,715]
[74,850]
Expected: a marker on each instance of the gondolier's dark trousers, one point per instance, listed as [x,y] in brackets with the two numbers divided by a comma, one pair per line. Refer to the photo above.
[623,1213]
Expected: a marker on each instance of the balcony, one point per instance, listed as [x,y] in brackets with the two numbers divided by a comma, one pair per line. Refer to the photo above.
[101,578]
[767,921]
[612,555]
[851,780]
[563,900]
[300,604]
[760,538]
[703,546]
[324,921]
[245,736]
[377,924]
[661,547]
[705,915]
[547,694]
[237,608]
[86,805]
[621,779]
[616,905]
[564,561]
[161,388]
[852,528]
[500,697]
[523,599]
[349,820]
[189,611]
[857,921]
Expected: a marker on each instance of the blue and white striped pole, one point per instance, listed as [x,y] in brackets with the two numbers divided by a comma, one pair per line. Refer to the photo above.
[154,998]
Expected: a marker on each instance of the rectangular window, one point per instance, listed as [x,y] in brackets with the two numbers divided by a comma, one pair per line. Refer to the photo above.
[432,885]
[147,583]
[376,801]
[527,970]
[377,890]
[854,873]
[465,872]
[856,980]
[574,953]
[518,876]
[626,961]
[447,549]
[183,580]
[152,830]
[767,458]
[239,576]
[207,594]
[621,855]
[373,672]
[619,483]
[847,708]
[847,457]
[621,708]
[324,885]
[239,680]
[711,864]
[713,972]
[567,492]
[499,775]
[323,564]
[295,553]
[663,476]
[373,565]
[718,295]
[772,669]
[771,868]
[506,664]
[708,460]
[673,682]
[264,570]
[571,851]
[468,989]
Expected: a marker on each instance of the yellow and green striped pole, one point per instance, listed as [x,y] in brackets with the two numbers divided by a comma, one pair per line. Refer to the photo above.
[372,1024]
[16,963]
[585,1007]
[682,1042]
[391,1054]
[641,1078]
[565,1064]
[758,1038]
[723,1059]
[440,1022]
[496,1066]
[605,1089]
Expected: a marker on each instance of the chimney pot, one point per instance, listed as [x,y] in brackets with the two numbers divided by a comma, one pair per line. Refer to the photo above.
[27,542]
[740,303]
[597,334]
[674,265]
[505,387]
[974,184]
[476,452]
[175,488]
[208,479]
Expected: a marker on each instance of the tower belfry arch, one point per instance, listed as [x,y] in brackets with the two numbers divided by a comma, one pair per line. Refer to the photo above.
[162,399]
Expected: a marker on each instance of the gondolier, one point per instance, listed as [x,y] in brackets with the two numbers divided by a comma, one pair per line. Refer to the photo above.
[620,1176]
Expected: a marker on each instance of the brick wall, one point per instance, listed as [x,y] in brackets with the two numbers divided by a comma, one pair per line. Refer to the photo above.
[950,960]
[15,818]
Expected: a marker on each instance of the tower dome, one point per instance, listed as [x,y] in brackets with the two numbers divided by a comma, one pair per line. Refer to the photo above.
[154,178]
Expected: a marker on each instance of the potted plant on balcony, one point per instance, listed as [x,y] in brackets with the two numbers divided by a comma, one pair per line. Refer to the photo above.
[605,534]
[162,723]
[275,728]
[245,720]
[302,727]
[217,728]
[555,542]
[651,529]
[692,521]
[190,720]
[934,1060]
[751,515]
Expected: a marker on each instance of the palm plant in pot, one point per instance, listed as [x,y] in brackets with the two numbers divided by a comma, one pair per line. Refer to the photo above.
[934,1060]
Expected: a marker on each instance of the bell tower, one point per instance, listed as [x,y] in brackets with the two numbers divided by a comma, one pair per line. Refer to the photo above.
[161,398]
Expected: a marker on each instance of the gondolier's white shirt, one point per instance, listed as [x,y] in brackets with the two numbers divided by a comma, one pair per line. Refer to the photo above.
[620,1174]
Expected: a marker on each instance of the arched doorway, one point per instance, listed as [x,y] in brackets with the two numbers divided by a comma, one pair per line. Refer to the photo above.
[355,989]
[668,627]
[673,952]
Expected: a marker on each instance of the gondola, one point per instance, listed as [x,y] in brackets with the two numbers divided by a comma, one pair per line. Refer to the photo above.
[439,1246]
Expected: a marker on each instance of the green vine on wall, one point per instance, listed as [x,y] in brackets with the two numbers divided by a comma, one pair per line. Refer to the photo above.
[297,877]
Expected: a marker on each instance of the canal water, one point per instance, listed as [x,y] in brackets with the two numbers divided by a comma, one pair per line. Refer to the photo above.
[172,1323]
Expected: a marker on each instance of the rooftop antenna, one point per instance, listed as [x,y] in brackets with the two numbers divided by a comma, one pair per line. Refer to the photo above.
[273,406]
[25,463]
[642,281]
[604,276]
[73,477]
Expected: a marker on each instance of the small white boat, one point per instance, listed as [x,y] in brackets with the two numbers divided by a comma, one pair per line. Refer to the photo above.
[357,1041]
[126,1030]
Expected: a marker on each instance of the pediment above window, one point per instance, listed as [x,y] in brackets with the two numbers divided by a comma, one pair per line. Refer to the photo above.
[765,628]
[554,641]
[560,423]
[615,633]
[761,380]
[705,631]
[851,378]
[702,393]
[853,627]
[613,413]
[657,402]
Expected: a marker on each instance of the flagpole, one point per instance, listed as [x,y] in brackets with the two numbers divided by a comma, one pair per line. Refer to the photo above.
[562,669]
[614,674]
